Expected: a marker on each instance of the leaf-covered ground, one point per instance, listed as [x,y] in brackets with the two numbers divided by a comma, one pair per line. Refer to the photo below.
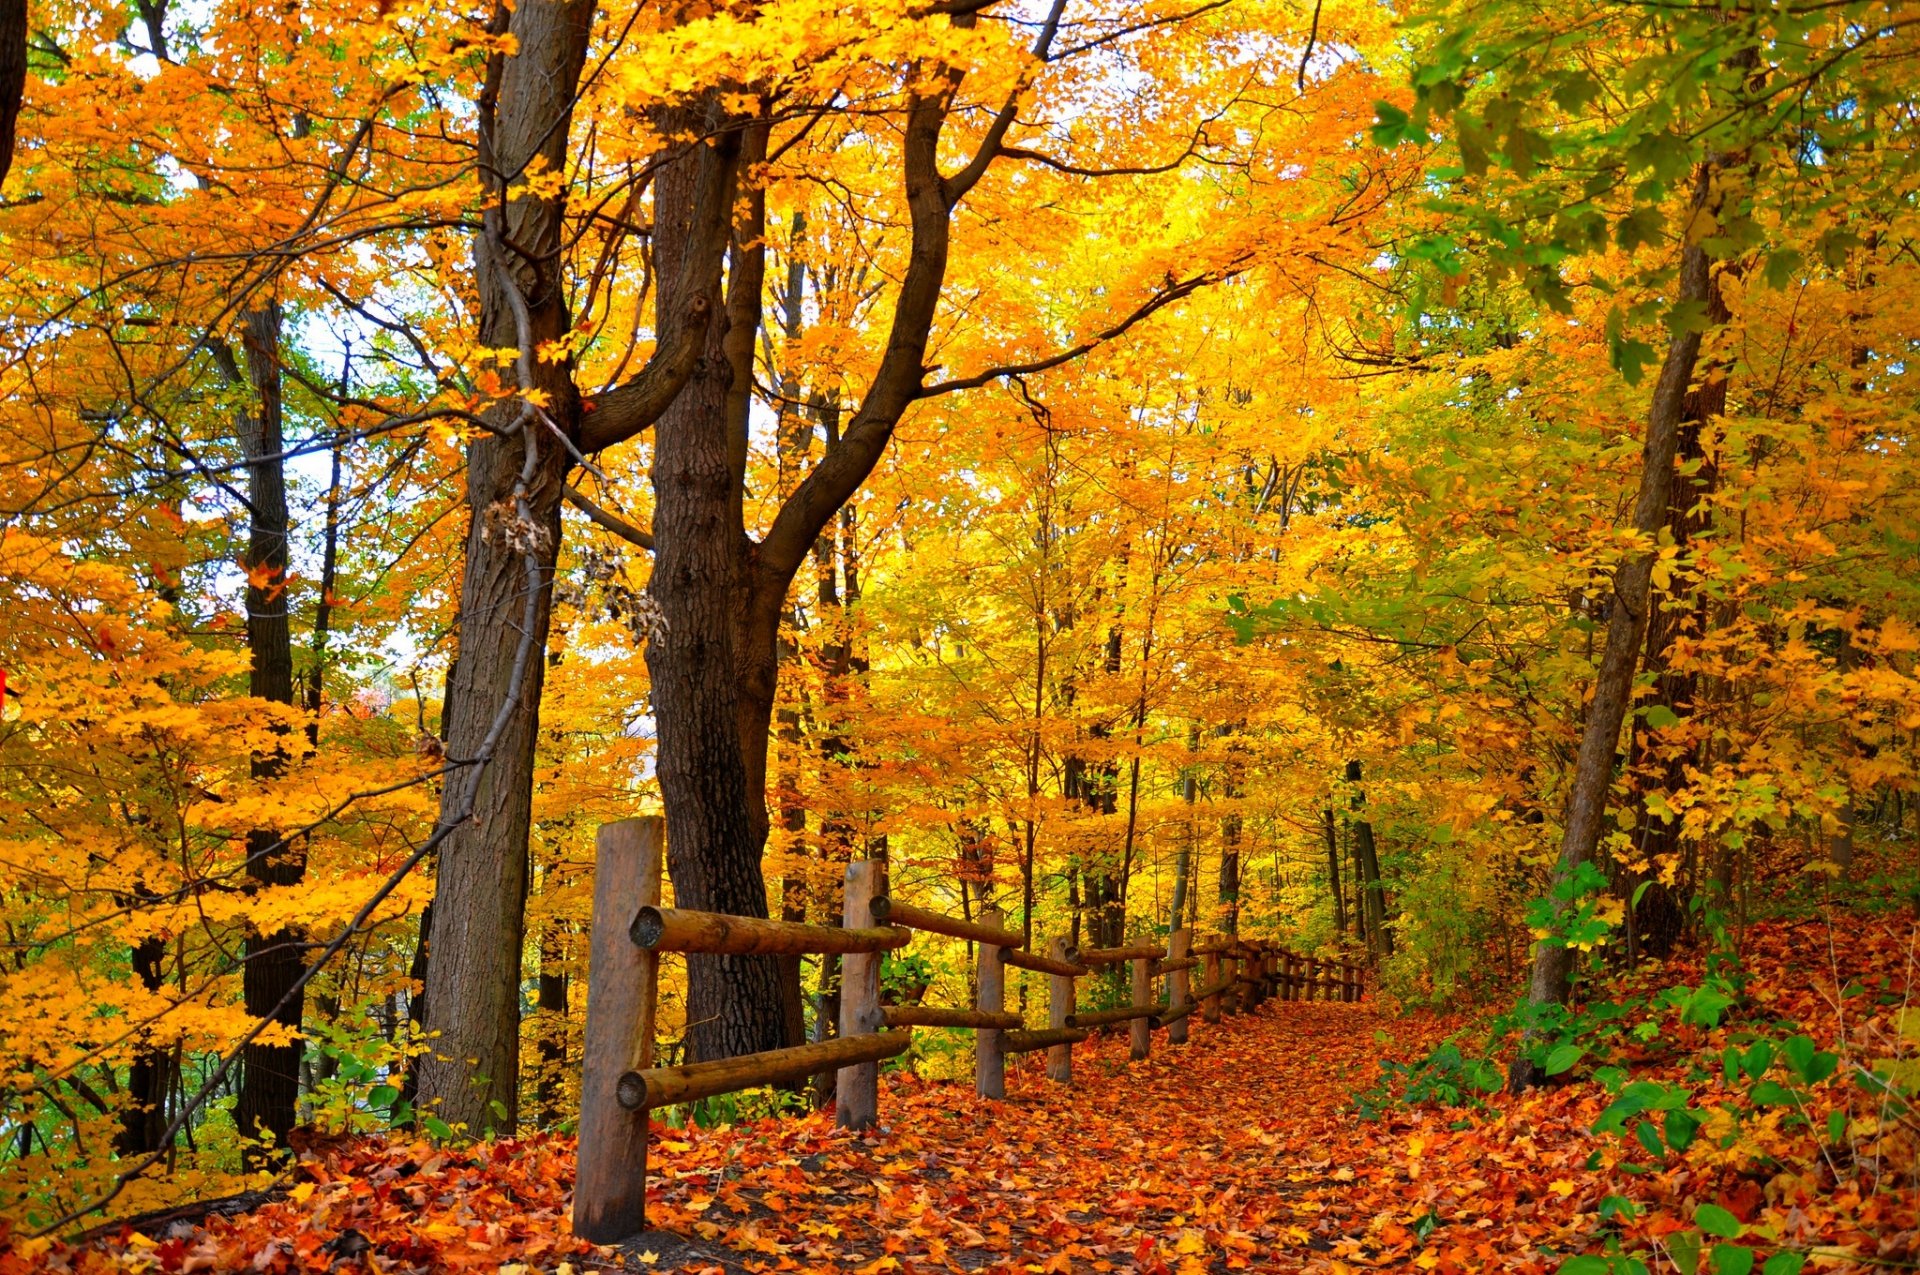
[1239,1151]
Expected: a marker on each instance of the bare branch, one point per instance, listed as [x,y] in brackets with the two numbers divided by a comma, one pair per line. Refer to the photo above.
[607,520]
[1165,297]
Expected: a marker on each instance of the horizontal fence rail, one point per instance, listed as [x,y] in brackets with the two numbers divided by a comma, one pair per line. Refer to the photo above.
[1222,974]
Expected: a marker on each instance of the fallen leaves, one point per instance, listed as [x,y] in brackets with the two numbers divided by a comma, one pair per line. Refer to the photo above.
[1238,1152]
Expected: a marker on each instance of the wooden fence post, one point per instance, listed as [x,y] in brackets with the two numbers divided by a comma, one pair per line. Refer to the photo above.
[1060,1003]
[1289,977]
[1210,977]
[1141,1029]
[1179,985]
[857,1088]
[610,1182]
[989,1064]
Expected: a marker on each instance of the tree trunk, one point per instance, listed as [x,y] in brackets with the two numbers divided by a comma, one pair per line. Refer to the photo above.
[1659,918]
[1183,864]
[551,1002]
[13,75]
[269,1074]
[734,1003]
[150,1080]
[1332,835]
[1626,625]
[1230,830]
[471,1075]
[1366,855]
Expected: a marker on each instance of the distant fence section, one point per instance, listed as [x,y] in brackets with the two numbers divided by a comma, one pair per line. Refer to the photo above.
[630,931]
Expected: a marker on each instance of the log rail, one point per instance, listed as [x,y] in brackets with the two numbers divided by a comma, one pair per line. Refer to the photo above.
[631,930]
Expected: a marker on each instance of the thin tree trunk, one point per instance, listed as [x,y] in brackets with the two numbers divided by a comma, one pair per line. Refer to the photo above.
[551,1002]
[1373,898]
[1184,862]
[150,1079]
[1626,625]
[1230,830]
[269,1074]
[1332,835]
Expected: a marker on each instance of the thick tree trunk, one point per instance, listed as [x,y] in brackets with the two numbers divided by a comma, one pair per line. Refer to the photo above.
[734,1003]
[269,1074]
[471,1076]
[1626,626]
[13,75]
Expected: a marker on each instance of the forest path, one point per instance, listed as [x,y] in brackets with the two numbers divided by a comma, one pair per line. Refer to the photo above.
[1221,1154]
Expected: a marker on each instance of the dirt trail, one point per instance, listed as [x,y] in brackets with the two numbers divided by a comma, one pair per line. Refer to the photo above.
[1215,1155]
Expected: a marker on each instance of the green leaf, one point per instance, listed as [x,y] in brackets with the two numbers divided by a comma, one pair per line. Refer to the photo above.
[1660,717]
[1391,125]
[1784,1264]
[383,1096]
[436,1126]
[1586,1264]
[1716,1221]
[1618,1206]
[1684,1248]
[1680,1128]
[1836,1126]
[1563,1058]
[1630,359]
[1782,265]
[1731,1259]
[1808,1063]
[1771,1094]
[1643,225]
[1649,1138]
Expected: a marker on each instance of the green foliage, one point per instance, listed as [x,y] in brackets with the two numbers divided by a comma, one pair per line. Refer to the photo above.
[357,1073]
[743,1107]
[1446,1077]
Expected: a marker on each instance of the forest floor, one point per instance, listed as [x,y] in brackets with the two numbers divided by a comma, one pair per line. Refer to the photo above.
[1242,1150]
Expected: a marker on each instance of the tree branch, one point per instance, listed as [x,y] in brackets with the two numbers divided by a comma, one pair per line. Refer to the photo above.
[605,519]
[1165,297]
[896,383]
[963,181]
[627,409]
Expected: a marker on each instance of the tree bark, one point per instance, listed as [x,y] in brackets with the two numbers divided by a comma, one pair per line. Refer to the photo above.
[734,1003]
[13,76]
[1333,872]
[1658,919]
[269,1074]
[1230,830]
[1373,898]
[471,1075]
[150,1078]
[1626,624]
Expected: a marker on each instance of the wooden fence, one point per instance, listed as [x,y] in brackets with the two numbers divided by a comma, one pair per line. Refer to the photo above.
[630,930]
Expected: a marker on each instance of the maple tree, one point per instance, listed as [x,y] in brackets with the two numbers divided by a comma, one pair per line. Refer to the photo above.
[1431,487]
